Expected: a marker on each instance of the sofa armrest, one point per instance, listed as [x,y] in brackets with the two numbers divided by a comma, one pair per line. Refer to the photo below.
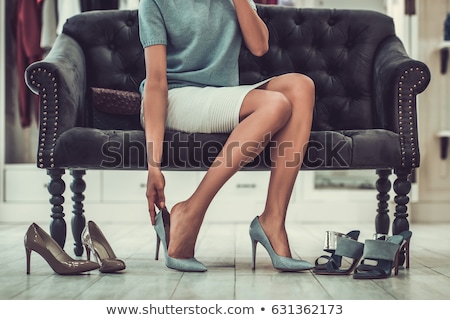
[398,80]
[60,81]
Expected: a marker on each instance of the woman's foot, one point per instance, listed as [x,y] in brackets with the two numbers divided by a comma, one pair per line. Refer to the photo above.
[184,228]
[276,233]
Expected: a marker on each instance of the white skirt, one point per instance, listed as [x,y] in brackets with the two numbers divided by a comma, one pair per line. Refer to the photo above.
[206,109]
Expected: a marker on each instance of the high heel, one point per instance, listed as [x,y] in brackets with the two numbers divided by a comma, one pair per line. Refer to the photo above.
[384,256]
[162,226]
[37,240]
[94,241]
[281,263]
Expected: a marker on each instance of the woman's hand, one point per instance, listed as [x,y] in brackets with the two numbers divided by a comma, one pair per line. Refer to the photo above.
[155,192]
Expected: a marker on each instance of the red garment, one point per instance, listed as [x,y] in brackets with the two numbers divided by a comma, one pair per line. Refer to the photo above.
[27,25]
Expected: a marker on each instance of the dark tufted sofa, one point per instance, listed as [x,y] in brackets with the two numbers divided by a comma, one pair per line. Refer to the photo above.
[365,114]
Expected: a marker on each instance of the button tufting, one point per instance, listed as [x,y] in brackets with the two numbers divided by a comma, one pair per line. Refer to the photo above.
[298,20]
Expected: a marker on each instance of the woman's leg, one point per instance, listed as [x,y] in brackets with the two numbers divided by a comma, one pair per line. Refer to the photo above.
[287,153]
[264,116]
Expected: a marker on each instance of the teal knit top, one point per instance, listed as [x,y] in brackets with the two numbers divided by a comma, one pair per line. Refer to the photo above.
[202,39]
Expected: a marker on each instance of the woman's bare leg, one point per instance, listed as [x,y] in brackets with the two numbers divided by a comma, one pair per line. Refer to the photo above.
[264,115]
[287,153]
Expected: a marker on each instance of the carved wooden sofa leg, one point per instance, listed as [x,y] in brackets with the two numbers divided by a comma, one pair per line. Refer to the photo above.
[402,187]
[383,186]
[78,186]
[56,187]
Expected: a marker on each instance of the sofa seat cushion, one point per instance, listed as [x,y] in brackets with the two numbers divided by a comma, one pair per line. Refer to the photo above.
[89,148]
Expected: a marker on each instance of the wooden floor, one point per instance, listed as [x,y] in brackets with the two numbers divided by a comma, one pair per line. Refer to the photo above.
[225,249]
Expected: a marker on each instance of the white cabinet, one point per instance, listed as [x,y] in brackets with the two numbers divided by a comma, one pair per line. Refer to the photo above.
[128,186]
[25,183]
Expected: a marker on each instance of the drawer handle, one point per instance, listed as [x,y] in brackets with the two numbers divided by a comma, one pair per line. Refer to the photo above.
[246,186]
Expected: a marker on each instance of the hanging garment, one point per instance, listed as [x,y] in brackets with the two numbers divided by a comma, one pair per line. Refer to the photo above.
[49,24]
[27,24]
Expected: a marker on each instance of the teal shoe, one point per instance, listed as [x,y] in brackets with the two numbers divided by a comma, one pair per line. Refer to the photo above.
[331,240]
[381,256]
[345,247]
[162,227]
[257,234]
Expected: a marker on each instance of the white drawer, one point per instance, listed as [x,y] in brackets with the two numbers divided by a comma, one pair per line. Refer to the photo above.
[123,185]
[25,183]
[132,185]
[180,185]
[246,185]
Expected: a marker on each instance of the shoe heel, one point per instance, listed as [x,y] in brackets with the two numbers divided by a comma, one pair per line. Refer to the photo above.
[406,246]
[254,243]
[404,249]
[158,244]
[28,253]
[88,252]
[396,261]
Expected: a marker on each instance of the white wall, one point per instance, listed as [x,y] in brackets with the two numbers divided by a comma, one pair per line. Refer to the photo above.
[434,115]
[2,95]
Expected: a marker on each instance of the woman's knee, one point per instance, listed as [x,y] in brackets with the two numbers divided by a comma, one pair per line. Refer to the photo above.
[273,106]
[277,109]
[299,84]
[300,89]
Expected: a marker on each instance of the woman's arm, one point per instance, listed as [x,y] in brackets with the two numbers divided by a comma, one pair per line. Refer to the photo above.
[254,30]
[155,113]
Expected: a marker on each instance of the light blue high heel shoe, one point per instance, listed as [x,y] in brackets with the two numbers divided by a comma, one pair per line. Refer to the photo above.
[281,263]
[188,265]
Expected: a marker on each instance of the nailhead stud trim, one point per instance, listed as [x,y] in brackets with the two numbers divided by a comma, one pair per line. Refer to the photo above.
[406,123]
[46,100]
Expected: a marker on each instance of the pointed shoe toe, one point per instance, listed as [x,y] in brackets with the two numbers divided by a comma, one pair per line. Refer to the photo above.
[290,264]
[95,242]
[186,265]
[109,265]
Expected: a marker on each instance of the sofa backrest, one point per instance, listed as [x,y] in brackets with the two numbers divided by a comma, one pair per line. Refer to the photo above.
[336,48]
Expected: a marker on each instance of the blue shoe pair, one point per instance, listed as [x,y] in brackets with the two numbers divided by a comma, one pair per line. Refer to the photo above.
[257,234]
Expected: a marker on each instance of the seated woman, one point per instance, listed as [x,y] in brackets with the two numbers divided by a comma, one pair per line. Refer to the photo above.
[192,85]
